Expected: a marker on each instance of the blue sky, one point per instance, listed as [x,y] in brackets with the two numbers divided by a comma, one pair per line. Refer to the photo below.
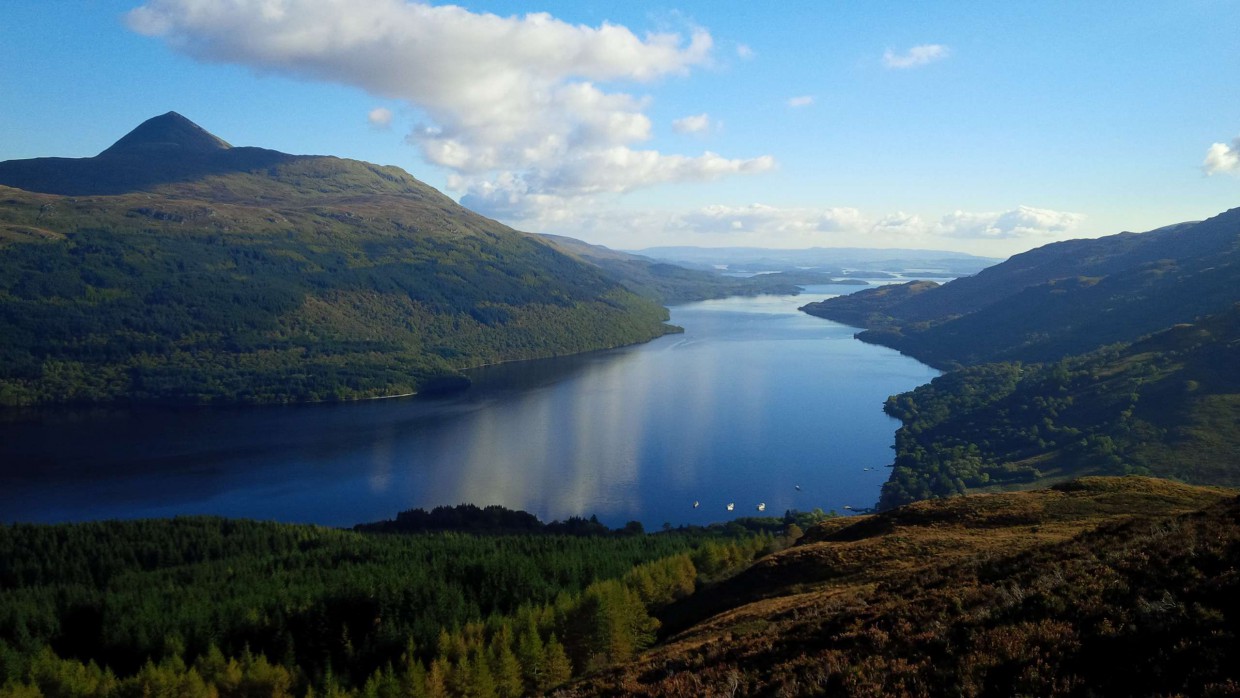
[878,124]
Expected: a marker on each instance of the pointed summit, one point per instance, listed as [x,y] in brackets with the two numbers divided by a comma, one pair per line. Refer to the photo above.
[169,132]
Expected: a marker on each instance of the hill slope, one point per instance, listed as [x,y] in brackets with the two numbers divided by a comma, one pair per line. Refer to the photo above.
[1061,299]
[670,283]
[1168,405]
[173,267]
[1100,587]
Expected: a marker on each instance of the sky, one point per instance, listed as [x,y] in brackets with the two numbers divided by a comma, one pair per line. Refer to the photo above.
[988,128]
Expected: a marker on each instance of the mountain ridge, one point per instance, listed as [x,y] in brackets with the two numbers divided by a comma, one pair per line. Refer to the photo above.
[1059,299]
[173,268]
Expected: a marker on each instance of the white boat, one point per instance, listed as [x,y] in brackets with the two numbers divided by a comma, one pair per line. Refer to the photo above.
[762,506]
[731,506]
[696,504]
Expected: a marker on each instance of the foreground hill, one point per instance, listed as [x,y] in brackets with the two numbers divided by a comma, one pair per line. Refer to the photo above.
[1099,587]
[1062,299]
[174,267]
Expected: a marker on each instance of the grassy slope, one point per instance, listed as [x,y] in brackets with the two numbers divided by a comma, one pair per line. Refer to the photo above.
[1115,586]
[315,278]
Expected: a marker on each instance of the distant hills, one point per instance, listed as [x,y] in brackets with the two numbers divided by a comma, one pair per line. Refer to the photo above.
[174,267]
[671,283]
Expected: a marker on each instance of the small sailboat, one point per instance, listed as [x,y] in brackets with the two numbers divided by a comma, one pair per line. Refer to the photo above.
[731,506]
[761,506]
[696,504]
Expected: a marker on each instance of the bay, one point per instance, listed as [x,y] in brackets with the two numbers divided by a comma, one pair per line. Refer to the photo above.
[753,401]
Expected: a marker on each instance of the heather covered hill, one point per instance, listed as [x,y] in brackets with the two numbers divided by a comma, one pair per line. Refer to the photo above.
[1057,300]
[173,267]
[1103,586]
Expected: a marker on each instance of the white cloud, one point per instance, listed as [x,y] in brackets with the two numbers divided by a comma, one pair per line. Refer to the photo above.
[692,124]
[380,117]
[772,221]
[915,56]
[612,171]
[1020,222]
[802,101]
[763,225]
[1223,158]
[744,52]
[506,98]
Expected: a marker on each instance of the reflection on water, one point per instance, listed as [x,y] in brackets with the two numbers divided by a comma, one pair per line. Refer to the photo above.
[752,400]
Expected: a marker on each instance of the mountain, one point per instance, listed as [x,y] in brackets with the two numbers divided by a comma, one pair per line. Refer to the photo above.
[1104,586]
[164,149]
[175,267]
[1061,299]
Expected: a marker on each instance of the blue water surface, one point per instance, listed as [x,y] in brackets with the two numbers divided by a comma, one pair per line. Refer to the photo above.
[753,400]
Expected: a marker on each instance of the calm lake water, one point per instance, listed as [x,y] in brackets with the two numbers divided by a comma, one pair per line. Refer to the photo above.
[752,400]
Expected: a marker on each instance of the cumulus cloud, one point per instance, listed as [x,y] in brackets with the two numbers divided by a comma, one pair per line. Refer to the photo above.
[915,56]
[802,101]
[1020,222]
[506,98]
[1222,158]
[520,196]
[380,117]
[744,52]
[773,221]
[699,123]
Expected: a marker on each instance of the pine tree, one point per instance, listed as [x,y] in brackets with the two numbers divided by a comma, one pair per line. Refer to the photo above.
[437,679]
[481,681]
[556,667]
[530,654]
[506,669]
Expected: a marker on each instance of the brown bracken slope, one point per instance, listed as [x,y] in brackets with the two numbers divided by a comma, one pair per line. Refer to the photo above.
[1064,591]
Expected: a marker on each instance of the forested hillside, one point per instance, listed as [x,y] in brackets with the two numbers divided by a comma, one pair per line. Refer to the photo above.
[1168,405]
[206,606]
[173,267]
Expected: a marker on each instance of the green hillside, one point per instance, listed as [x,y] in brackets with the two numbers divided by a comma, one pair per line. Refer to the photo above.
[1168,405]
[227,274]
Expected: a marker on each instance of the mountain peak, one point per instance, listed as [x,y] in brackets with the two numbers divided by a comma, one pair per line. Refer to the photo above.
[167,132]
